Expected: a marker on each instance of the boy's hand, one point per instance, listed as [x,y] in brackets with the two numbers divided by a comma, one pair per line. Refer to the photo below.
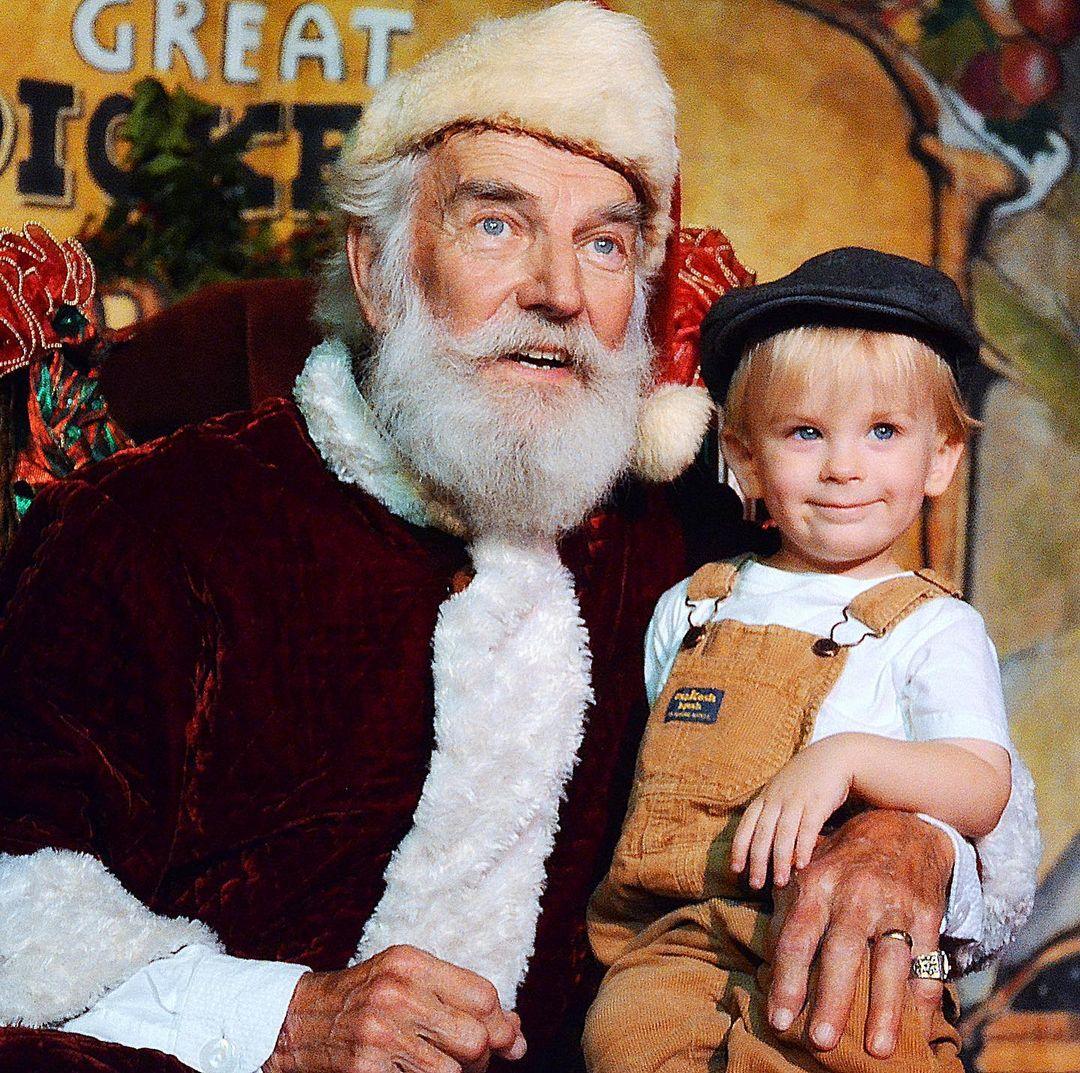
[785,819]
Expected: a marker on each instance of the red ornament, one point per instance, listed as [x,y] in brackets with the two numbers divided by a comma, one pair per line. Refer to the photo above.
[980,85]
[1030,72]
[1055,21]
[47,291]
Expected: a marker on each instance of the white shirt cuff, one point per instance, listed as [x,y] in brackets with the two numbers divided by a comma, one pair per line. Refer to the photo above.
[963,920]
[217,1014]
[234,1012]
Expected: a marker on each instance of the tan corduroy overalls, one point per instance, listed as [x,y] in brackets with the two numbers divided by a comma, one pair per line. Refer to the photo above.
[683,935]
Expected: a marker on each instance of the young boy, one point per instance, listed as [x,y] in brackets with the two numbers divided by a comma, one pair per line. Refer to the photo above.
[825,676]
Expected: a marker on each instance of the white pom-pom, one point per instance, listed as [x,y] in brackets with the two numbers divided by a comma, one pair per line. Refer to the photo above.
[672,425]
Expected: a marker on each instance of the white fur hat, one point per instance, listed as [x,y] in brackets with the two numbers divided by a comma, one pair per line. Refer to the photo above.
[575,74]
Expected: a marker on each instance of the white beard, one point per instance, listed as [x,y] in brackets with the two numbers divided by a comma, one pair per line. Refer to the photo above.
[514,457]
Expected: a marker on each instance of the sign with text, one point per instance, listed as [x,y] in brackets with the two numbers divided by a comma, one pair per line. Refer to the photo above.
[293,74]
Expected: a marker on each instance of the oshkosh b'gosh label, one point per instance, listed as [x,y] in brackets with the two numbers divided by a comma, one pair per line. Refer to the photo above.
[694,704]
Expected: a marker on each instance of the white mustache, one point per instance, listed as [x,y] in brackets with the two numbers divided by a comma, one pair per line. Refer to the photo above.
[522,331]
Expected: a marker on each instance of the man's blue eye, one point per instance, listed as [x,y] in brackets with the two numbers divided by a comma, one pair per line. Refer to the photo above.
[493,226]
[883,431]
[807,432]
[604,246]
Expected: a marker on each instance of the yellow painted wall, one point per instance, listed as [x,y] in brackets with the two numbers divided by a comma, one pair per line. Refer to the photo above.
[794,139]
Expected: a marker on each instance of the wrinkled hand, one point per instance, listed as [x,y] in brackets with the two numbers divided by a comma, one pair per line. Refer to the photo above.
[785,819]
[880,870]
[402,1010]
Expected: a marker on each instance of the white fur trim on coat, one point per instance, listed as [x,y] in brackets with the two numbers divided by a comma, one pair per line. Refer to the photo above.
[69,932]
[512,682]
[574,72]
[1008,859]
[344,429]
[511,668]
[672,425]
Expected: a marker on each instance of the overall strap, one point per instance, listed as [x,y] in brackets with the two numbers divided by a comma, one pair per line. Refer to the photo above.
[714,581]
[890,602]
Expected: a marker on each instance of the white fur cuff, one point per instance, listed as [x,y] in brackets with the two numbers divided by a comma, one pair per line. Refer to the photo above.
[1008,859]
[69,932]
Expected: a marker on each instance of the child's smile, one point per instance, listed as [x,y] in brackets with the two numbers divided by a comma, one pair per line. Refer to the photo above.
[843,478]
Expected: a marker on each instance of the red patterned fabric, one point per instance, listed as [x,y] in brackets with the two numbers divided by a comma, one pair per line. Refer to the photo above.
[47,293]
[699,266]
[69,426]
[708,268]
[50,332]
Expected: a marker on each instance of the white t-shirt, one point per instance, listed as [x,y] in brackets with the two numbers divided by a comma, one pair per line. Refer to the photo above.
[934,675]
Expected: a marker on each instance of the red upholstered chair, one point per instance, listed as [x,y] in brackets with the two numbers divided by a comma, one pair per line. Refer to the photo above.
[226,348]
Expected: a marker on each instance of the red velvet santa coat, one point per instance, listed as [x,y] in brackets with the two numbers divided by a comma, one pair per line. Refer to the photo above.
[230,705]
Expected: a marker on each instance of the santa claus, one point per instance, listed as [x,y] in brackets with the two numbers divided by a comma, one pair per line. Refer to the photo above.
[352,684]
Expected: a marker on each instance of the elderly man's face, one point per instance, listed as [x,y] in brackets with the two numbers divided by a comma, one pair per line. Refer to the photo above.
[505,222]
[511,351]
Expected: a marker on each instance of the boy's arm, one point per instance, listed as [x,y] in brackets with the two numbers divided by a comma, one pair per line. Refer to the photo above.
[962,781]
[952,698]
[943,779]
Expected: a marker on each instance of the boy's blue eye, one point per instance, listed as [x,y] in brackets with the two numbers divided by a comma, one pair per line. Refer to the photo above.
[883,431]
[493,226]
[806,432]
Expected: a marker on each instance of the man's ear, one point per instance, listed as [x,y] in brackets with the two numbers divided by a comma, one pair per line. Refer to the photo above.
[740,457]
[943,466]
[361,253]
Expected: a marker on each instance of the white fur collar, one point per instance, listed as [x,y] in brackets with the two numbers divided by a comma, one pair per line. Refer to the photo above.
[357,451]
[511,666]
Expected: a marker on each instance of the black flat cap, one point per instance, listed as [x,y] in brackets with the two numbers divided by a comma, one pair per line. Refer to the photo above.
[848,288]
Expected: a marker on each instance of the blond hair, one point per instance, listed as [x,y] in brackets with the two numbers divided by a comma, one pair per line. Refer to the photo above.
[829,359]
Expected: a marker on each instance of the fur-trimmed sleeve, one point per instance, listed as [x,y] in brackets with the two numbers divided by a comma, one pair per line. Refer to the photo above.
[102,666]
[1008,858]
